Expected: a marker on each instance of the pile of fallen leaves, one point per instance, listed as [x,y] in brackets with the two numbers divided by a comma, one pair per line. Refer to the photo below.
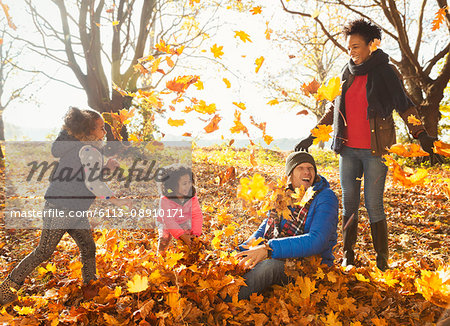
[187,285]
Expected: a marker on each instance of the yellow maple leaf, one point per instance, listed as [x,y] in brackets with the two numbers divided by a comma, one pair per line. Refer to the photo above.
[115,23]
[242,35]
[322,133]
[361,278]
[240,105]
[256,10]
[217,51]
[176,122]
[253,188]
[199,85]
[203,108]
[258,63]
[414,121]
[273,102]
[329,91]
[24,310]
[315,14]
[227,82]
[441,148]
[137,284]
[48,268]
[307,287]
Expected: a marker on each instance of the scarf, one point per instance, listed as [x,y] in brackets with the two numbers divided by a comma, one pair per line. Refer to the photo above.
[384,89]
[292,227]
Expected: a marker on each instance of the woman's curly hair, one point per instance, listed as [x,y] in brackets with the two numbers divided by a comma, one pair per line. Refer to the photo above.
[172,174]
[368,30]
[80,123]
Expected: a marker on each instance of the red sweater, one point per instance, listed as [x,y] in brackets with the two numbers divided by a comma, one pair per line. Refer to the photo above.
[174,214]
[358,127]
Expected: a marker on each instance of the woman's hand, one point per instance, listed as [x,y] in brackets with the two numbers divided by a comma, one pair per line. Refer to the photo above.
[112,164]
[253,256]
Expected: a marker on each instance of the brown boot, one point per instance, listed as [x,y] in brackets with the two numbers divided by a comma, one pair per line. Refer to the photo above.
[380,243]
[349,234]
[7,295]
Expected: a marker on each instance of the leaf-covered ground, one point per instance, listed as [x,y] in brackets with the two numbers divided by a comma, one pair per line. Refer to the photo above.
[138,287]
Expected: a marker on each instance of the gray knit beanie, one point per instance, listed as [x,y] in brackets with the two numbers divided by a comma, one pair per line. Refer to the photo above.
[297,158]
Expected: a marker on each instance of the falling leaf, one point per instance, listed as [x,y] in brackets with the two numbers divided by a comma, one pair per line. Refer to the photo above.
[302,112]
[315,14]
[441,148]
[8,17]
[227,82]
[268,139]
[203,108]
[240,105]
[256,10]
[242,35]
[199,85]
[322,133]
[115,23]
[187,134]
[238,125]
[408,150]
[137,284]
[273,102]
[175,122]
[330,91]
[1,41]
[169,61]
[311,87]
[181,83]
[268,31]
[258,63]
[217,51]
[213,125]
[439,18]
[375,44]
[253,188]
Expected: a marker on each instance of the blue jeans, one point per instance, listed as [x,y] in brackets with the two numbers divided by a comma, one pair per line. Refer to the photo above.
[353,164]
[263,275]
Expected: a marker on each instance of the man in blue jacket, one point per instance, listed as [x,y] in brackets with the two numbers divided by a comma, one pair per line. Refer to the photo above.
[311,230]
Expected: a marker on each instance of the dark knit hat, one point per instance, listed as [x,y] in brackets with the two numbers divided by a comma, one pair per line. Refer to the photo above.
[297,158]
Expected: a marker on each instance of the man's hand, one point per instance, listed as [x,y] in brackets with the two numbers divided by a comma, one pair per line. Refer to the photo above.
[186,238]
[427,144]
[253,256]
[304,144]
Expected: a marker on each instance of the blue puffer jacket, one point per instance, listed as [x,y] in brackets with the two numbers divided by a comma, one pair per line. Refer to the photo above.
[320,229]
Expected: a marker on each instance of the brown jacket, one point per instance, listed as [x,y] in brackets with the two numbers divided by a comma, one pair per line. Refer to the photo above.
[382,129]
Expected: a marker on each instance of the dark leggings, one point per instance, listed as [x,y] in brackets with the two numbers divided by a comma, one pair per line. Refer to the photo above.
[53,230]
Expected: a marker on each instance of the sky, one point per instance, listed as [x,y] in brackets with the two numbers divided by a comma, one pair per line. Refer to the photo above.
[51,99]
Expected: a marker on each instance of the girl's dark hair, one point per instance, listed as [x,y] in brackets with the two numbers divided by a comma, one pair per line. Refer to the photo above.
[368,30]
[80,123]
[172,175]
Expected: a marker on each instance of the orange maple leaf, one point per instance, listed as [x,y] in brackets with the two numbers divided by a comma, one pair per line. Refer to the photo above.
[311,87]
[256,10]
[213,125]
[375,44]
[322,133]
[217,51]
[258,63]
[441,148]
[242,35]
[170,62]
[8,16]
[273,102]
[439,18]
[268,139]
[181,83]
[268,31]
[240,105]
[408,150]
[203,108]
[238,125]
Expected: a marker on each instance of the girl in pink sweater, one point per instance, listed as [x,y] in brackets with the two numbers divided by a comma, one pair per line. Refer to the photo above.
[180,215]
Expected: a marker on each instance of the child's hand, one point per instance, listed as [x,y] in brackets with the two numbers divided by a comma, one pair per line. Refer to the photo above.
[186,238]
[122,201]
[112,164]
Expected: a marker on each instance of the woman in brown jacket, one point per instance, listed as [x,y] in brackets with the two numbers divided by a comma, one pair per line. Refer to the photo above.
[364,130]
